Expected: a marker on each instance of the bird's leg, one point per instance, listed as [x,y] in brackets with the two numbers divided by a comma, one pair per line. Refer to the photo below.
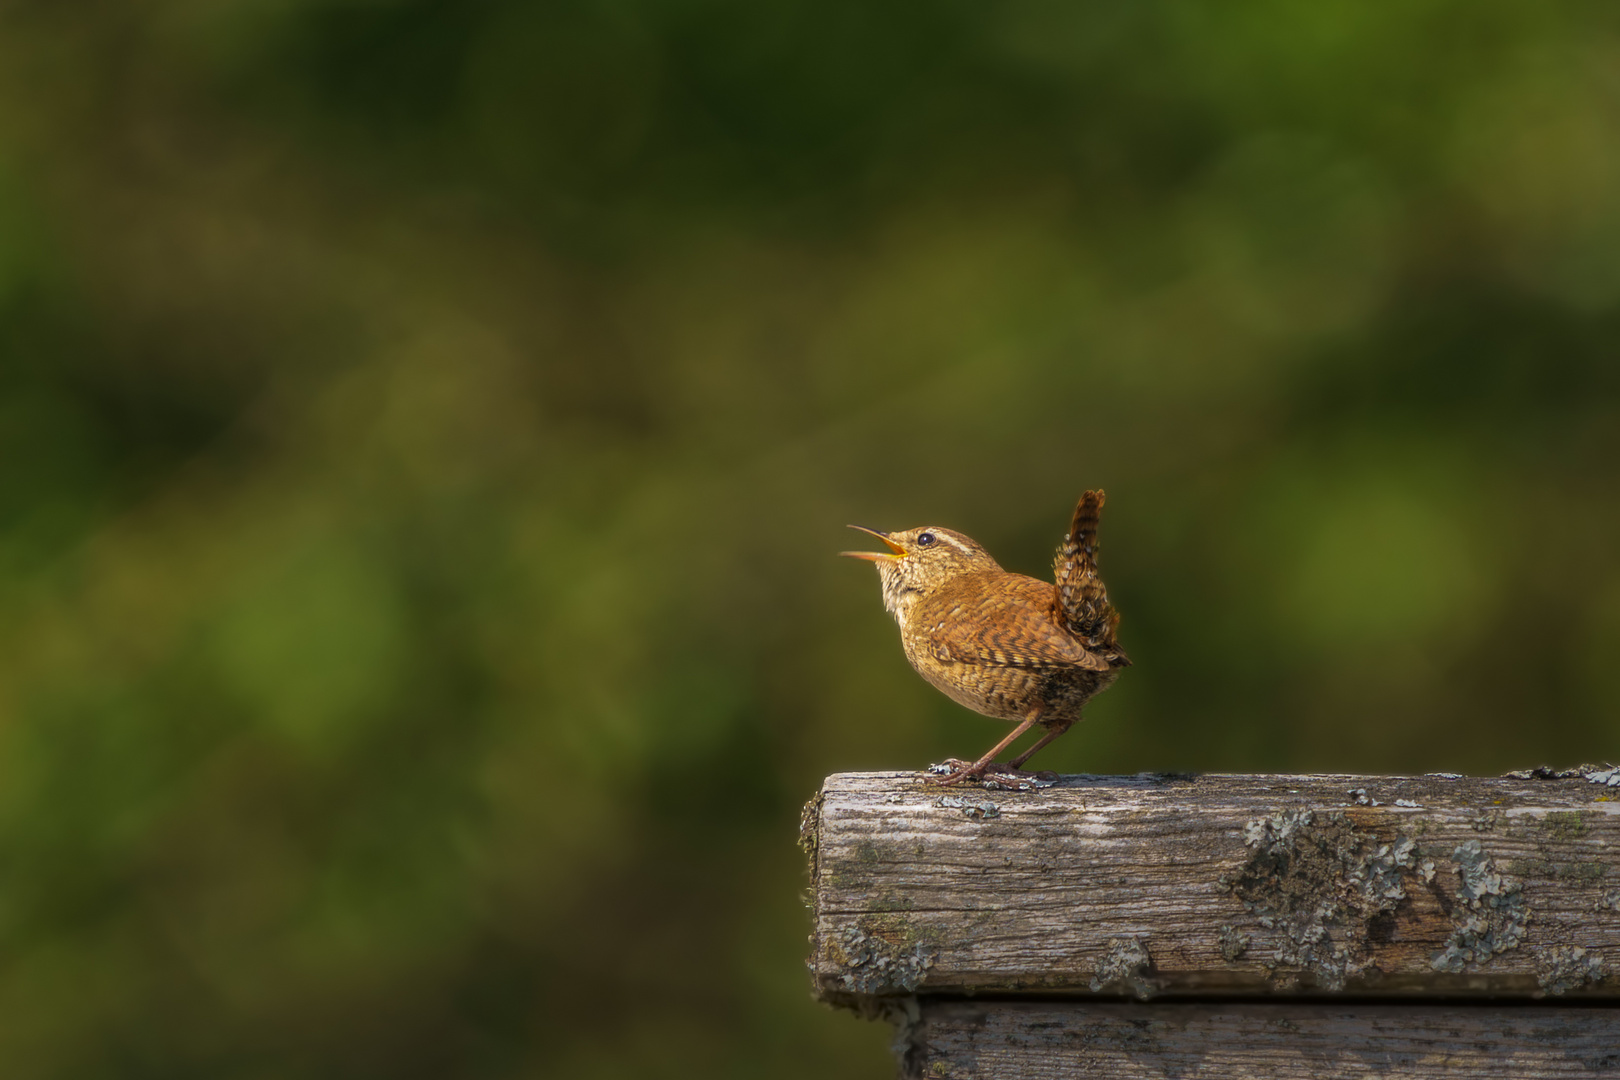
[1051,733]
[978,767]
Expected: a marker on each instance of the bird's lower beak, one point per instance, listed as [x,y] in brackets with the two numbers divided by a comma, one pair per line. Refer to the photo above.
[876,556]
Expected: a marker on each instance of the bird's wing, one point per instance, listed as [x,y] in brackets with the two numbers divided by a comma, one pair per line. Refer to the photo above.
[1007,627]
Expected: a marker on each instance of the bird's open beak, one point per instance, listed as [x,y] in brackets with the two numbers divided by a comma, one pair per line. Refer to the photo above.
[876,556]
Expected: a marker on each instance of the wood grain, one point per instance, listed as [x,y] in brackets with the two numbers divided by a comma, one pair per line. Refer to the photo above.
[1201,885]
[1037,1041]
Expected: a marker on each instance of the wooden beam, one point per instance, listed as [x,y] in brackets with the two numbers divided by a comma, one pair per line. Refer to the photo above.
[1217,885]
[1046,1041]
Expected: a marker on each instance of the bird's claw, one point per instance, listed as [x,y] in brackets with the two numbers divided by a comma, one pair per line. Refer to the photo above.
[994,776]
[1007,778]
[952,771]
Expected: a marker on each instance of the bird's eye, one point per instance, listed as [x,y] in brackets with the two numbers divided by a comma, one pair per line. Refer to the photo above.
[924,539]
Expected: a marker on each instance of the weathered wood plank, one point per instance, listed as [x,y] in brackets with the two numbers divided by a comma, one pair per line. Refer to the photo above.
[1217,885]
[1045,1041]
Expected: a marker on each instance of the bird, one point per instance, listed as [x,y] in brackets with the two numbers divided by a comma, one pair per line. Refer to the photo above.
[1005,645]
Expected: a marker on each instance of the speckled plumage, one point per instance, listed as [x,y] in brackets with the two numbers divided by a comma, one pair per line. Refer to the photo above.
[1003,644]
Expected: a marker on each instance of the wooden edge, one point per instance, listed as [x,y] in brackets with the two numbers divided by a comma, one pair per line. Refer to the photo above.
[959,1040]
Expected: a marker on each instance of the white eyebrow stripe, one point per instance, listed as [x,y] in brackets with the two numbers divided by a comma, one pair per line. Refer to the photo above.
[954,542]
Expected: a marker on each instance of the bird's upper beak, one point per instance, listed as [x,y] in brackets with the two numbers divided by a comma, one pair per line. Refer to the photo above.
[876,556]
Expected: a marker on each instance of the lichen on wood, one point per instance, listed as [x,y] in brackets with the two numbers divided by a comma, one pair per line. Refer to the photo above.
[1127,967]
[1229,884]
[872,965]
[1561,969]
[1491,914]
[1321,883]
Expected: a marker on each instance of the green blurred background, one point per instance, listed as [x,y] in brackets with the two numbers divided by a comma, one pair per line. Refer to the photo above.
[426,428]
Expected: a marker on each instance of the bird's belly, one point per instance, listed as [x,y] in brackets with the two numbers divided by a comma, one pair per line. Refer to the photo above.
[1005,693]
[1009,693]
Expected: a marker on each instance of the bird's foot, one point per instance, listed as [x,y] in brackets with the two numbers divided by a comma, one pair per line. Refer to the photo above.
[953,771]
[993,775]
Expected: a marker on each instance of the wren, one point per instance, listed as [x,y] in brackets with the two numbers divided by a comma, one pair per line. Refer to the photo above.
[1003,644]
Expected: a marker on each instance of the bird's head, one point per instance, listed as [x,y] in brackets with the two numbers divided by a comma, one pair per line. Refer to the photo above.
[920,560]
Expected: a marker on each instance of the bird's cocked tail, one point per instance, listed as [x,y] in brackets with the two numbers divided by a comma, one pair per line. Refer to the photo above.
[1082,598]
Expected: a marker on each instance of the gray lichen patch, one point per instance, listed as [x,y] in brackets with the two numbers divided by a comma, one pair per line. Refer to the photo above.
[1232,943]
[1319,881]
[1492,914]
[1561,969]
[1608,775]
[1128,967]
[972,809]
[870,964]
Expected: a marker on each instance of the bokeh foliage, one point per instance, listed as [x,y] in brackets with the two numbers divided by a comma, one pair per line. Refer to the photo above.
[426,427]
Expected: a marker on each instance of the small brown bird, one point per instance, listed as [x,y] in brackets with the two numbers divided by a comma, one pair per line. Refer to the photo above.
[1003,644]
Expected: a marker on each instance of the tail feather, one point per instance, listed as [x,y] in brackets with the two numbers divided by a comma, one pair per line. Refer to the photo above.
[1082,598]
